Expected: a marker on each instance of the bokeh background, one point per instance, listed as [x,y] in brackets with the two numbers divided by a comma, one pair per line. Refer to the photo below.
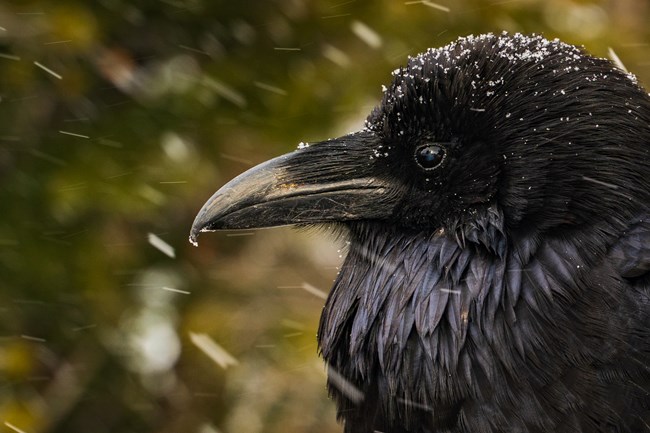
[119,118]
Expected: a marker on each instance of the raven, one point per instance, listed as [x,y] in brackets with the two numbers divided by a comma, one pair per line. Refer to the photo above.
[497,205]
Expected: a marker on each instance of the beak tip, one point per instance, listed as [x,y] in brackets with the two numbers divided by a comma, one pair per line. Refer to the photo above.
[200,224]
[197,228]
[204,223]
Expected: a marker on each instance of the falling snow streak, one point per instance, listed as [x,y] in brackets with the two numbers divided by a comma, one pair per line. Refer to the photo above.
[345,386]
[415,404]
[213,350]
[313,290]
[58,42]
[74,134]
[600,182]
[31,338]
[13,427]
[47,157]
[336,56]
[194,50]
[327,17]
[48,70]
[617,61]
[270,88]
[226,92]
[9,56]
[308,288]
[161,245]
[430,4]
[338,5]
[171,289]
[366,34]
[208,428]
[83,328]
[236,159]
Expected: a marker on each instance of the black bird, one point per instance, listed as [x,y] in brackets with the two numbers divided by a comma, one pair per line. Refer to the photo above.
[497,205]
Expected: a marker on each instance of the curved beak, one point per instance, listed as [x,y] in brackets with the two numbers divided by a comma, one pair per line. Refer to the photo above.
[324,182]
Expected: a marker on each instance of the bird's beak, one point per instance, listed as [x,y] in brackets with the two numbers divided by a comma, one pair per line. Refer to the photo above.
[324,182]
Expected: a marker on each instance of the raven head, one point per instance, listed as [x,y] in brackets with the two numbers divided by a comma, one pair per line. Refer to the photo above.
[521,127]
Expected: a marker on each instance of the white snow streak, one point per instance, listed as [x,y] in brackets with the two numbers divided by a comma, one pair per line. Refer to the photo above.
[161,245]
[366,34]
[215,352]
[616,59]
[48,70]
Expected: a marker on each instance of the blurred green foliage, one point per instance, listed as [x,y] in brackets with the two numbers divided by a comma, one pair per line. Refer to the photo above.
[119,118]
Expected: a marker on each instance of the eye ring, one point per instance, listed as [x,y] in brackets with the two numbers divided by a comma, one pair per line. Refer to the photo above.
[430,156]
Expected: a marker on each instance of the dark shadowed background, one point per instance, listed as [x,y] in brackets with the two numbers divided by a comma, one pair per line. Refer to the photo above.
[119,118]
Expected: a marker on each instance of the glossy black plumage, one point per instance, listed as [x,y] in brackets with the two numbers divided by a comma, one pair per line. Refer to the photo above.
[504,289]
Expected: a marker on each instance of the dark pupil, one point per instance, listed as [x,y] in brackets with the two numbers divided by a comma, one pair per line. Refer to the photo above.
[430,156]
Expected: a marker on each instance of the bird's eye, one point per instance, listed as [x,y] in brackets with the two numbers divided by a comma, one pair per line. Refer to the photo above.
[430,156]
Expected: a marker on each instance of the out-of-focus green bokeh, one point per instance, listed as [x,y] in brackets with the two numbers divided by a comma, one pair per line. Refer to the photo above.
[119,118]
